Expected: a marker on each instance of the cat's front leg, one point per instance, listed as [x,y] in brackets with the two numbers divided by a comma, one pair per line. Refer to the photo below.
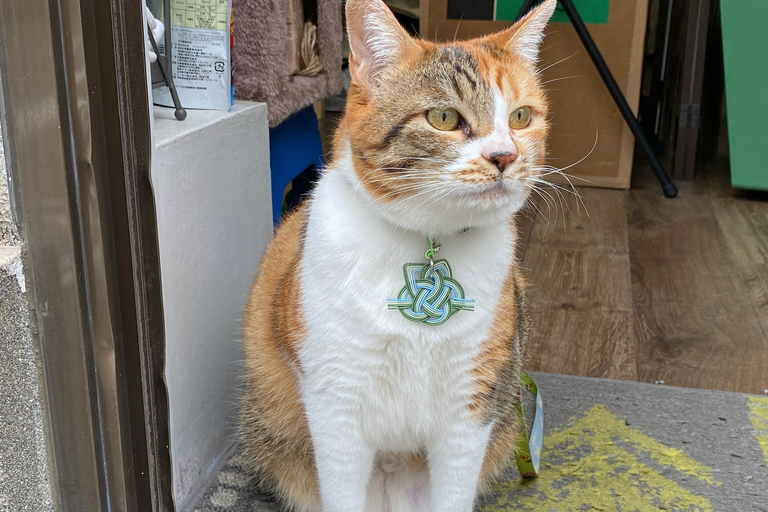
[344,461]
[455,459]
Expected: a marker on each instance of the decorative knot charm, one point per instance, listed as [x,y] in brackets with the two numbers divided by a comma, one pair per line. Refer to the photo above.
[430,294]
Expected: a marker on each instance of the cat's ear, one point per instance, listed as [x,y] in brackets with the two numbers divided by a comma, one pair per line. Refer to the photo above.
[524,37]
[376,40]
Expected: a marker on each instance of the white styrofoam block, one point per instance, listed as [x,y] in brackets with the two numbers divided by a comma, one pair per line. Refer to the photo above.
[211,179]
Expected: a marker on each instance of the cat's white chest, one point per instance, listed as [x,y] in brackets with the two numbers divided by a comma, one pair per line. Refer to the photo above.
[401,379]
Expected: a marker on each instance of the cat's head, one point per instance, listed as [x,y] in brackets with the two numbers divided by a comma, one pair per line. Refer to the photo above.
[443,136]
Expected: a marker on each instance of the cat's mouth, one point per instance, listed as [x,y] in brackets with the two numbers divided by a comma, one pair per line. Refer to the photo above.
[494,194]
[492,191]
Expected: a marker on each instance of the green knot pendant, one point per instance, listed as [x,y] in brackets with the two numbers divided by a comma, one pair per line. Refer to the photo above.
[430,294]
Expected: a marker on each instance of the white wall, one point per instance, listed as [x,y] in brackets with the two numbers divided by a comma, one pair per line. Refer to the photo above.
[211,179]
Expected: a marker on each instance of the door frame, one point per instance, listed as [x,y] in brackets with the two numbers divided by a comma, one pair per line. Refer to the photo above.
[75,114]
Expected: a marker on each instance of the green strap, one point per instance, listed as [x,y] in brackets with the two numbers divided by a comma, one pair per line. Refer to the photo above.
[431,252]
[528,455]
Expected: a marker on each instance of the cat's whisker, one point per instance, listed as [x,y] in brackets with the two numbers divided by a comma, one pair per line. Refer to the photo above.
[429,188]
[548,170]
[552,204]
[574,191]
[541,213]
[561,188]
[414,172]
[561,60]
[428,195]
[394,193]
[455,34]
[562,78]
[399,183]
[543,198]
[594,145]
[557,186]
[434,199]
[408,173]
[409,176]
[527,210]
[429,159]
[406,178]
[400,188]
[441,191]
[544,172]
[425,158]
[546,196]
[533,204]
[407,189]
[563,201]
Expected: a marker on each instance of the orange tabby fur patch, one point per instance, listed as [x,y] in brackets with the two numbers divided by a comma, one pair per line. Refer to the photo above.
[273,423]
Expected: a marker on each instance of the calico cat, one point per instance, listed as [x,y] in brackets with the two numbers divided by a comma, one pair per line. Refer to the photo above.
[351,406]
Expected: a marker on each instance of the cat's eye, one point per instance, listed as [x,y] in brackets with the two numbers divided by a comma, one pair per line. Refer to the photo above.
[444,119]
[520,118]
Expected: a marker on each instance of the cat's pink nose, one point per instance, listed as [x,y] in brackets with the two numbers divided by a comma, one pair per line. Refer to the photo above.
[501,155]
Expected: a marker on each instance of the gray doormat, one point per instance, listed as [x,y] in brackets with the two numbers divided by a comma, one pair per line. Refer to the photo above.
[612,446]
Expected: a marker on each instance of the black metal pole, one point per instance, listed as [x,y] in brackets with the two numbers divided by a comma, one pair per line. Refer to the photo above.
[180,112]
[162,60]
[669,188]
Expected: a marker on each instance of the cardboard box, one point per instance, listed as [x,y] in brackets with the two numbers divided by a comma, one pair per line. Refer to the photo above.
[583,113]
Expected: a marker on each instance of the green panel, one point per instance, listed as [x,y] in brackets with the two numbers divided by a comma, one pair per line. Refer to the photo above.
[745,50]
[591,11]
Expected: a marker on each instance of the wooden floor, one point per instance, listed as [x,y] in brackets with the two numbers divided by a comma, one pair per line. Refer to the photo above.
[653,289]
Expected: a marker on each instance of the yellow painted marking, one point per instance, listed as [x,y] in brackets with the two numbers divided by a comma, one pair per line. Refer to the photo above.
[595,461]
[758,409]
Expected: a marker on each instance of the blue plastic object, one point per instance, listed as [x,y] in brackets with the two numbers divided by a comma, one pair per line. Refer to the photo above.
[294,145]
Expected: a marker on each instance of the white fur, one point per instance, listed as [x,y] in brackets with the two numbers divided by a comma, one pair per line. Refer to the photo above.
[501,111]
[376,39]
[527,39]
[383,44]
[375,384]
